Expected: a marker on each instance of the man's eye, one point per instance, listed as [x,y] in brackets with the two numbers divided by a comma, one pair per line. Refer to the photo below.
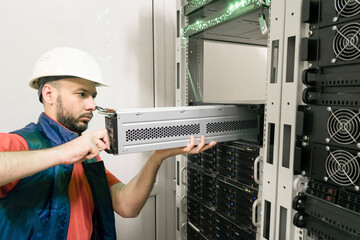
[81,94]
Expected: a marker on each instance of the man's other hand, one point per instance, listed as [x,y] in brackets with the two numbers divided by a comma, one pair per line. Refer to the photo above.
[191,148]
[84,147]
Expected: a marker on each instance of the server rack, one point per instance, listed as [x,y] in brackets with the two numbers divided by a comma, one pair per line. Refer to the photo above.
[327,133]
[310,183]
[219,192]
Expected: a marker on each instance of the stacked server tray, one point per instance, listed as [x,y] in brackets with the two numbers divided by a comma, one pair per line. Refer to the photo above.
[233,161]
[221,187]
[206,223]
[220,195]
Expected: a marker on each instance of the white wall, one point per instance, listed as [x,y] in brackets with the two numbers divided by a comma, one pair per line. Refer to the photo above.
[119,35]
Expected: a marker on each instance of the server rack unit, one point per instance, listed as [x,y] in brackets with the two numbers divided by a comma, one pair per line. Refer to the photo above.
[311,177]
[223,189]
[328,134]
[148,129]
[218,191]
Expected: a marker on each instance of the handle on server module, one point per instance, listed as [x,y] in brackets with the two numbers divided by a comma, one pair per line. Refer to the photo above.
[182,175]
[257,177]
[255,205]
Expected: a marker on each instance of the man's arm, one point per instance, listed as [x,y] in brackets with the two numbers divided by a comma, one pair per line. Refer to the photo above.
[17,165]
[128,200]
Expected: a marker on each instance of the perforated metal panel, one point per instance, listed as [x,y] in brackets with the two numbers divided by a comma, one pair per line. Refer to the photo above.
[162,132]
[159,128]
[230,125]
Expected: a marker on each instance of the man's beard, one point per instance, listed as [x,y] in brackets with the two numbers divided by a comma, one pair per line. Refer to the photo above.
[70,122]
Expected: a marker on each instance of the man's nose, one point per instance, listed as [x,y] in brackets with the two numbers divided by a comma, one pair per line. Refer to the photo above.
[90,104]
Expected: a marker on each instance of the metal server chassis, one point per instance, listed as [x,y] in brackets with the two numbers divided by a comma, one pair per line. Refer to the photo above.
[149,129]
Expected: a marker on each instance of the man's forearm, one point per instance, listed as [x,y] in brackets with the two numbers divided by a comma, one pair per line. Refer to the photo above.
[130,200]
[17,165]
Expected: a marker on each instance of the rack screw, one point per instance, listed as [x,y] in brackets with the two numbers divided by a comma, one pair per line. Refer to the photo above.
[333,60]
[335,19]
[304,144]
[327,140]
[303,173]
[334,28]
[305,138]
[325,179]
[310,65]
[311,33]
[358,145]
[327,148]
[357,188]
[329,109]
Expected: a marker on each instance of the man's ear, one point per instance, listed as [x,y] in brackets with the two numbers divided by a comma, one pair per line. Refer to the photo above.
[49,94]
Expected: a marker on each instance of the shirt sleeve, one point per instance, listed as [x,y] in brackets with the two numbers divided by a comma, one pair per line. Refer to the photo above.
[110,177]
[10,142]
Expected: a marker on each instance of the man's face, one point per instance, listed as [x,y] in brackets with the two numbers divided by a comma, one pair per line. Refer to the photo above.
[75,103]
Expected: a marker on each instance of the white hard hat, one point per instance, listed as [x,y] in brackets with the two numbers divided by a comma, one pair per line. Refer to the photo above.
[65,61]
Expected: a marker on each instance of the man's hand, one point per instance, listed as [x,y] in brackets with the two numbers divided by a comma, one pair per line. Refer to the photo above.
[189,149]
[84,147]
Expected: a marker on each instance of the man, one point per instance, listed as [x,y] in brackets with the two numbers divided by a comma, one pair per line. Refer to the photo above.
[60,189]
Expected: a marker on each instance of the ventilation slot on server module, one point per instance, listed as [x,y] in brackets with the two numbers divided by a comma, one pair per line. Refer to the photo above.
[162,132]
[230,126]
[350,201]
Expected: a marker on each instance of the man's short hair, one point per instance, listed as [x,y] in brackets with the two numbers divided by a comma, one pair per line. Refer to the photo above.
[43,80]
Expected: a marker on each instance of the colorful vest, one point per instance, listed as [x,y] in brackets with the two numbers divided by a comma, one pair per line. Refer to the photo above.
[38,207]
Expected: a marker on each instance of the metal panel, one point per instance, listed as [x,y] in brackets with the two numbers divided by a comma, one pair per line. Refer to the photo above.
[158,128]
[272,118]
[190,67]
[292,86]
[181,99]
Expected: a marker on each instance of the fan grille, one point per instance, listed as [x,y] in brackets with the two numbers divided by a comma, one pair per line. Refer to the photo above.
[344,126]
[347,8]
[346,43]
[342,167]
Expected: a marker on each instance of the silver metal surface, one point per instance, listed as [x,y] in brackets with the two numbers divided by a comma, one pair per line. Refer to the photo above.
[159,128]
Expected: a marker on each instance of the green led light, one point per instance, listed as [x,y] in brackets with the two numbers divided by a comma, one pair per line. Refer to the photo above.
[195,4]
[200,25]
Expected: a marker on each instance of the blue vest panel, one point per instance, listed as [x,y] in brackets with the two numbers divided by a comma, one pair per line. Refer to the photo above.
[38,207]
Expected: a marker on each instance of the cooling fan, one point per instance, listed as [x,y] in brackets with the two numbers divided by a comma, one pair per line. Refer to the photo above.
[346,44]
[343,126]
[346,8]
[342,168]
